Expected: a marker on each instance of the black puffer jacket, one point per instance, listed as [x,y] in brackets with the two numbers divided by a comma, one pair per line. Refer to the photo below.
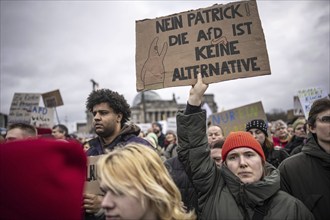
[294,142]
[221,194]
[306,175]
[275,156]
[181,179]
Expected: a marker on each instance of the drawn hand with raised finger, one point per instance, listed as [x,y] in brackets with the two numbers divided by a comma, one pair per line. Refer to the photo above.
[153,71]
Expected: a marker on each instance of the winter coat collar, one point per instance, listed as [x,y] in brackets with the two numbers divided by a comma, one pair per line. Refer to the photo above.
[253,194]
[313,149]
[126,131]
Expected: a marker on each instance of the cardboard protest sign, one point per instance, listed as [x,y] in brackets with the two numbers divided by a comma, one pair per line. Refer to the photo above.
[236,119]
[92,185]
[52,99]
[21,107]
[309,95]
[42,117]
[297,108]
[223,42]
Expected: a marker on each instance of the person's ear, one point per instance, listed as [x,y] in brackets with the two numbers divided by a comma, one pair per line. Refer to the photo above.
[119,117]
[312,129]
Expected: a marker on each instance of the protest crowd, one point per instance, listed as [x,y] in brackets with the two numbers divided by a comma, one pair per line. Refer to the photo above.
[195,173]
[267,170]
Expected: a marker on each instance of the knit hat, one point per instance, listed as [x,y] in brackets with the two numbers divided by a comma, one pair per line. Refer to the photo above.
[152,138]
[42,178]
[298,122]
[258,124]
[159,125]
[241,139]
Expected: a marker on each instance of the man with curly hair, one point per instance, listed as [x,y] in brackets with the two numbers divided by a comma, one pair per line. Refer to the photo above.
[111,114]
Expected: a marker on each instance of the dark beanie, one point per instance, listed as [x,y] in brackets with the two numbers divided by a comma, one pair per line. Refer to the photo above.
[258,124]
[159,125]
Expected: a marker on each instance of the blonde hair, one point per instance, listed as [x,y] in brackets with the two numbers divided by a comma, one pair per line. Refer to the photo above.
[280,123]
[137,168]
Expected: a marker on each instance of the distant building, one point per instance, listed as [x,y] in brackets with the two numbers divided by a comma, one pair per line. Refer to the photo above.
[89,125]
[155,109]
[3,120]
[3,124]
[82,127]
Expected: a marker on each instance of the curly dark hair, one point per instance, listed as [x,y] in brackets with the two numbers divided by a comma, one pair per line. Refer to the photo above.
[116,101]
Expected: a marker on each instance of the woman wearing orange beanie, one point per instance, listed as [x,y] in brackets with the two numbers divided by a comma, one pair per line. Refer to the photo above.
[245,187]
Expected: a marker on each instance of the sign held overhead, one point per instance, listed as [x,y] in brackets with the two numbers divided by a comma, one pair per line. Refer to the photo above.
[52,99]
[223,42]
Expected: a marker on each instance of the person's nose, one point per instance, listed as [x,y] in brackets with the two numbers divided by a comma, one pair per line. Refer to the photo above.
[242,161]
[108,202]
[97,117]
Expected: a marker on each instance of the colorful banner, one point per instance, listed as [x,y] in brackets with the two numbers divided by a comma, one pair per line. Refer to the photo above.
[236,119]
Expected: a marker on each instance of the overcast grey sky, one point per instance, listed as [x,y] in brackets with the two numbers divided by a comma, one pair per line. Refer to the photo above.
[49,45]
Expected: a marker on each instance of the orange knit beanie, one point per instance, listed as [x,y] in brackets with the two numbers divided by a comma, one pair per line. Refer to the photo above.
[241,139]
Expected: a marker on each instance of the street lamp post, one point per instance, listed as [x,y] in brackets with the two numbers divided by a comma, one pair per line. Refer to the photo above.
[144,107]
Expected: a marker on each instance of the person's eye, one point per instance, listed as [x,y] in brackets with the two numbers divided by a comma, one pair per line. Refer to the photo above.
[104,191]
[103,112]
[250,154]
[118,193]
[232,157]
[113,192]
[325,119]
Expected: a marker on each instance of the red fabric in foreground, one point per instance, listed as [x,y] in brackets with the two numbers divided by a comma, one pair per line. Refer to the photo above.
[44,131]
[41,179]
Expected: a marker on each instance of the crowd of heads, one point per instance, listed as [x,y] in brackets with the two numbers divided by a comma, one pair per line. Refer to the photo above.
[135,176]
[273,135]
[23,131]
